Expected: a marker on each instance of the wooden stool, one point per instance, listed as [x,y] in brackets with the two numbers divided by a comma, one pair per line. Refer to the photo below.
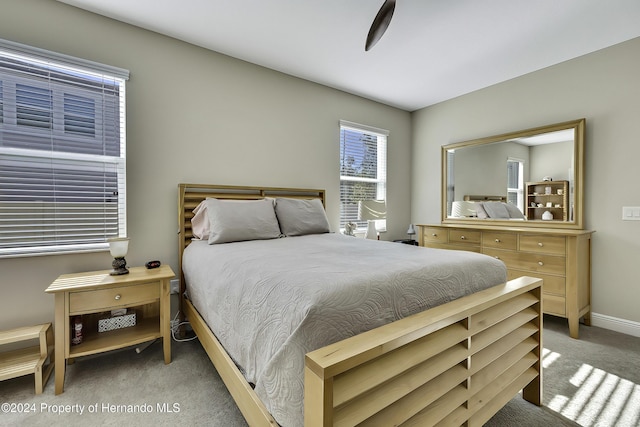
[30,360]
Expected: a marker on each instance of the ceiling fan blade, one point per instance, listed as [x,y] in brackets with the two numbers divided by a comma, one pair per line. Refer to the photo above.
[380,23]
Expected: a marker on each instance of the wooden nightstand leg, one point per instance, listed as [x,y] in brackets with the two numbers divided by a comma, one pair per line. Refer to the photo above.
[165,320]
[59,332]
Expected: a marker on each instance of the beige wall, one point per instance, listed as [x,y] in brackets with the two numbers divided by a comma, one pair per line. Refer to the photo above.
[602,87]
[195,116]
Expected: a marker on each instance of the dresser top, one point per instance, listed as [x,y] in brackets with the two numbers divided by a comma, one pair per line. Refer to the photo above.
[529,230]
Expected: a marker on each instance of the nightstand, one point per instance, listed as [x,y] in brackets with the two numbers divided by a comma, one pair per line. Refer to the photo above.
[91,294]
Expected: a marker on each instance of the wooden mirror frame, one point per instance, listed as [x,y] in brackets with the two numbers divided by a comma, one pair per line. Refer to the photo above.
[578,152]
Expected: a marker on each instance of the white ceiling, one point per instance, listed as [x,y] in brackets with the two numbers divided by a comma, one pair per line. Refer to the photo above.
[434,50]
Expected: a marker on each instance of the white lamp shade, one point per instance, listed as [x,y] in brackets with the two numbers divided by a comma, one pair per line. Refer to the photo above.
[411,230]
[372,209]
[118,246]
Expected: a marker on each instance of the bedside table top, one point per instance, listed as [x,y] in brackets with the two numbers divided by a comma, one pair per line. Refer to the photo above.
[102,279]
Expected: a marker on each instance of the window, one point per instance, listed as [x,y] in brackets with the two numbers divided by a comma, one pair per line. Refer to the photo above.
[62,152]
[515,183]
[363,170]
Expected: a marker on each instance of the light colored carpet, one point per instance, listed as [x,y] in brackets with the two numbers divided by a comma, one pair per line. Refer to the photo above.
[593,381]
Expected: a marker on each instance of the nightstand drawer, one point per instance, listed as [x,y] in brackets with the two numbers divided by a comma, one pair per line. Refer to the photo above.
[107,299]
[434,235]
[464,236]
[556,245]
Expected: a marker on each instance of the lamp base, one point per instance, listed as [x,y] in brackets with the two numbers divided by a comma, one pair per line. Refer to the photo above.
[371,232]
[119,267]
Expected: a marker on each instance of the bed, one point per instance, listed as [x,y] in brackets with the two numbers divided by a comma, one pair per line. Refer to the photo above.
[486,207]
[455,363]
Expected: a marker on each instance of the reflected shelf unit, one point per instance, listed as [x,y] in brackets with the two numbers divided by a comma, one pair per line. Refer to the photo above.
[548,196]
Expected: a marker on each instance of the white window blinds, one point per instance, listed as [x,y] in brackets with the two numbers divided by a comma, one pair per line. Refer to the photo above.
[363,170]
[62,152]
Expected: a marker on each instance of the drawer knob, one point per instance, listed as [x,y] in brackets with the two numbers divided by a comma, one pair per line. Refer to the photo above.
[117,297]
[540,244]
[462,237]
[497,240]
[434,235]
[540,263]
[496,257]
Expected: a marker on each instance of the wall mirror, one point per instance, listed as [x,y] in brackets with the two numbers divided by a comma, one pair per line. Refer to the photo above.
[528,178]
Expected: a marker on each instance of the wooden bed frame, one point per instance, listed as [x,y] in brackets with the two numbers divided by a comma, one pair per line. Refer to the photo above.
[455,364]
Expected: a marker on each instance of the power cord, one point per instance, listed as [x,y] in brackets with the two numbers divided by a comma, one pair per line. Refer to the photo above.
[175,325]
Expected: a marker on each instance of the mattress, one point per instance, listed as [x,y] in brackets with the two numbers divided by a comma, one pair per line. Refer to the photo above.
[269,302]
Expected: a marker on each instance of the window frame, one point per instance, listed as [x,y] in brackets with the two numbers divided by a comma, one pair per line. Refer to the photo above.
[381,172]
[60,74]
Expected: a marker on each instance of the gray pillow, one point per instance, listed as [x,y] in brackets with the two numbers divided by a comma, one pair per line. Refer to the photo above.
[496,209]
[238,220]
[298,217]
[513,210]
[480,212]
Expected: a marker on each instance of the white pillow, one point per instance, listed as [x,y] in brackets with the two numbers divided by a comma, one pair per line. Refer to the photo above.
[239,220]
[200,221]
[299,217]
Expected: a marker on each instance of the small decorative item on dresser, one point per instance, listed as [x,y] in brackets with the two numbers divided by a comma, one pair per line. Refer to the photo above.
[118,246]
[547,216]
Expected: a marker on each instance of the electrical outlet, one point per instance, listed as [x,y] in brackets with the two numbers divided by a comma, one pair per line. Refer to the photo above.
[175,286]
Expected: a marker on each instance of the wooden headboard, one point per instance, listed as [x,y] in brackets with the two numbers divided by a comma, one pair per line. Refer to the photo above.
[480,198]
[190,195]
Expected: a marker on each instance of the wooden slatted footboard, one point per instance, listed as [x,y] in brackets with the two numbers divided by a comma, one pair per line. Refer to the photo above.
[454,364]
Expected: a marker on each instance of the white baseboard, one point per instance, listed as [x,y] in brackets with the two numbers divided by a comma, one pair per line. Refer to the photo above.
[615,324]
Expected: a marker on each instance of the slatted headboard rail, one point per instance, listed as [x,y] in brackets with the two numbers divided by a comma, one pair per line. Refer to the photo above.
[190,195]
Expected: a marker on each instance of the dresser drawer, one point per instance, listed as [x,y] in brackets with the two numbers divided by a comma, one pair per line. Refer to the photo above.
[556,245]
[106,299]
[554,304]
[530,262]
[464,236]
[434,235]
[555,285]
[506,241]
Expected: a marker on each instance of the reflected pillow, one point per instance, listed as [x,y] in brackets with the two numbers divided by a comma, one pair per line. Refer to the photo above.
[496,209]
[299,217]
[480,212]
[239,220]
[513,210]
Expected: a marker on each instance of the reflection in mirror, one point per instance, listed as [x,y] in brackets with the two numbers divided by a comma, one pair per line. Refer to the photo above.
[527,178]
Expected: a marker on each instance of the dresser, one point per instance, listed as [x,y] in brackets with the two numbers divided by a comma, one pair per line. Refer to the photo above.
[561,257]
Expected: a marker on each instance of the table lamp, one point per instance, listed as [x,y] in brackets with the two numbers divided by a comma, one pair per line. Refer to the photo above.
[370,211]
[118,246]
